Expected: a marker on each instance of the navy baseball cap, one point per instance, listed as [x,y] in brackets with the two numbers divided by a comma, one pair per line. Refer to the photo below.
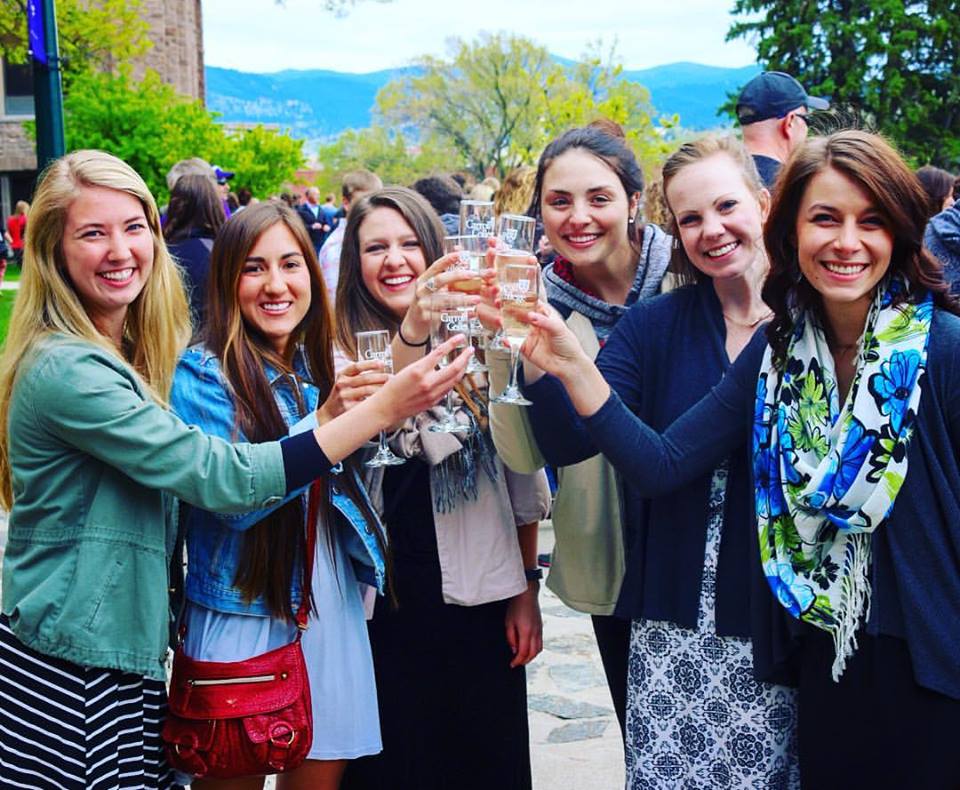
[222,175]
[773,94]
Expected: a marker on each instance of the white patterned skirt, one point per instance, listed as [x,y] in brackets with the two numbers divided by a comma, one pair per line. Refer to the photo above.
[69,727]
[696,717]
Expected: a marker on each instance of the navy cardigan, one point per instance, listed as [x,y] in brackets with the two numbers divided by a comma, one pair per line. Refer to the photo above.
[664,355]
[915,575]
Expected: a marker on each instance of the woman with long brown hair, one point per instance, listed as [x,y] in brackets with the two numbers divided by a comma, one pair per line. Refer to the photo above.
[194,217]
[450,656]
[846,405]
[266,363]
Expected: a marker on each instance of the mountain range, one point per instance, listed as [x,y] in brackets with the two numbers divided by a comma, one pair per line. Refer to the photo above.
[317,105]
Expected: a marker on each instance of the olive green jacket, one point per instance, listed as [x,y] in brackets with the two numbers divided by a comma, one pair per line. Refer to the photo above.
[587,566]
[94,462]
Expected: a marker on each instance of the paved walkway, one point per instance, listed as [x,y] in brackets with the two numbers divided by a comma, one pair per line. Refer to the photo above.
[574,738]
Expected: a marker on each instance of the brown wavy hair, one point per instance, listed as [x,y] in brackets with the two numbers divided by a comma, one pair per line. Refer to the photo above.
[875,166]
[357,310]
[271,551]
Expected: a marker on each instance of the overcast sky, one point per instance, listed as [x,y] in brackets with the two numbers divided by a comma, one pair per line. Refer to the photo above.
[263,36]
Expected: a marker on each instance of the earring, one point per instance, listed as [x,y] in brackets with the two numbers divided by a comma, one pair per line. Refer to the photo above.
[630,221]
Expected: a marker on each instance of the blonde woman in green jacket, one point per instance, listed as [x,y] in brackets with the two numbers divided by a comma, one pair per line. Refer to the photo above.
[90,459]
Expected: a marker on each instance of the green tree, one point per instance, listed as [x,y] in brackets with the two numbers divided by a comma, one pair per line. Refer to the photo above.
[891,66]
[500,99]
[93,34]
[150,126]
[388,154]
[262,158]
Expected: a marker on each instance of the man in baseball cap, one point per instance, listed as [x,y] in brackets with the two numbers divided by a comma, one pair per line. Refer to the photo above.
[772,111]
[223,186]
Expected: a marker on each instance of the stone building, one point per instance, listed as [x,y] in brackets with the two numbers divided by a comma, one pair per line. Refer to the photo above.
[176,31]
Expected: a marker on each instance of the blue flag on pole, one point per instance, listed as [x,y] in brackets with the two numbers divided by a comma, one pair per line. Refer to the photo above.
[38,47]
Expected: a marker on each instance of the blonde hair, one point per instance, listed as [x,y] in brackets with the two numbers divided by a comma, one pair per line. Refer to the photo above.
[158,323]
[515,195]
[691,153]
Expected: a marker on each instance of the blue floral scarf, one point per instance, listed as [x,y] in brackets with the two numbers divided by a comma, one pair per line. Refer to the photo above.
[827,475]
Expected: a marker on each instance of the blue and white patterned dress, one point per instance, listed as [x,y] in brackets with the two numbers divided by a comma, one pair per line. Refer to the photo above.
[696,718]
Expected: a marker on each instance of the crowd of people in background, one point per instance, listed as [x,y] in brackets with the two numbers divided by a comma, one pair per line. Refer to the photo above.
[742,419]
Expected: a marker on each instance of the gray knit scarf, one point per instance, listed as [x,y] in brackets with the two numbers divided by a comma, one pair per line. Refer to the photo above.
[651,266]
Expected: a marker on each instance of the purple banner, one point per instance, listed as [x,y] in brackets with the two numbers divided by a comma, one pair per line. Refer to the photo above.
[38,47]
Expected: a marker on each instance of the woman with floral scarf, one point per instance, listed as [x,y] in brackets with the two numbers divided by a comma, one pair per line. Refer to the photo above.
[847,404]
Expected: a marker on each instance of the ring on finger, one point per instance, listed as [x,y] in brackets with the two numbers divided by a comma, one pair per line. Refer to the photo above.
[431,284]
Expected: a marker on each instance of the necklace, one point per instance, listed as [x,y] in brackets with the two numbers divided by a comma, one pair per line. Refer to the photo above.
[752,324]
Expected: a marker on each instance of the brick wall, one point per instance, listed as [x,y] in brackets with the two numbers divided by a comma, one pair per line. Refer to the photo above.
[176,30]
[17,151]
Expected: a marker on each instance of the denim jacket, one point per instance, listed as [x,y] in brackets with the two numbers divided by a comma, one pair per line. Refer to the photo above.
[201,396]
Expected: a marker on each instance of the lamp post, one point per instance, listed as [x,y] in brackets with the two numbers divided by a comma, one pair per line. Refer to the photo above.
[47,87]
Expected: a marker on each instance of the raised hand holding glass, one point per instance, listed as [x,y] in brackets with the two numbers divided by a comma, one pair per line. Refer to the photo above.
[375,344]
[519,292]
[449,316]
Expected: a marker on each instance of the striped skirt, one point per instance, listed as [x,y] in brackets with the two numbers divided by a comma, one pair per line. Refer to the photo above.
[66,726]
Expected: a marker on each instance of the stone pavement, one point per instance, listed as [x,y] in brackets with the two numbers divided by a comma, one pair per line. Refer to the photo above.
[574,738]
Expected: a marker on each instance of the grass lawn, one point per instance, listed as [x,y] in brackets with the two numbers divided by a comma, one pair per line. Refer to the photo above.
[6,306]
[12,275]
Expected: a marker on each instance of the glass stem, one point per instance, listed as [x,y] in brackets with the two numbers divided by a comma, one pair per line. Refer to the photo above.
[514,364]
[449,405]
[383,443]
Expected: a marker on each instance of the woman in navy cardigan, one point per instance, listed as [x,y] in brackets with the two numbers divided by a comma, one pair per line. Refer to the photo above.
[848,406]
[694,710]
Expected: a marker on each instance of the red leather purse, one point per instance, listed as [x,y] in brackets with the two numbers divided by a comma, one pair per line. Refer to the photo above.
[229,719]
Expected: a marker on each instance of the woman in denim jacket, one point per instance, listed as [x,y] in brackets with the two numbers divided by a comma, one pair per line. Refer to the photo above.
[268,332]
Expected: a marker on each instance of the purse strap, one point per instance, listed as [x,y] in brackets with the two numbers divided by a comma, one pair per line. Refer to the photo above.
[310,539]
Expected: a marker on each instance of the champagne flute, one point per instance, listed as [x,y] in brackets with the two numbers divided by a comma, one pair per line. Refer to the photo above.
[517,231]
[515,234]
[376,345]
[448,317]
[519,291]
[471,257]
[476,218]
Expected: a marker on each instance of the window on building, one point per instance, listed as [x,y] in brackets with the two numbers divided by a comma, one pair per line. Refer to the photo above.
[18,89]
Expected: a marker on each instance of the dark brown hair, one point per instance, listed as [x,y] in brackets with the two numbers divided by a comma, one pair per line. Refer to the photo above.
[194,204]
[609,149]
[357,310]
[938,184]
[272,549]
[872,163]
